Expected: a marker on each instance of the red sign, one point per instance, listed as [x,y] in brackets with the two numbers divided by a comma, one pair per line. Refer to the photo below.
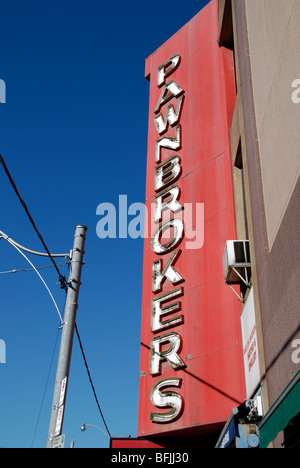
[191,371]
[126,443]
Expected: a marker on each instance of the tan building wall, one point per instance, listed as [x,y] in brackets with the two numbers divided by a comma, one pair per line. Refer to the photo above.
[265,143]
[274,35]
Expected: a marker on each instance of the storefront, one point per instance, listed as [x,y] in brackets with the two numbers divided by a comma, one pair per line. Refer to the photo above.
[283,416]
[191,367]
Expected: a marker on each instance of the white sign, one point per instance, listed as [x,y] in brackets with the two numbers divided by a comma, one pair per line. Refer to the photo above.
[59,442]
[250,347]
[59,420]
[63,391]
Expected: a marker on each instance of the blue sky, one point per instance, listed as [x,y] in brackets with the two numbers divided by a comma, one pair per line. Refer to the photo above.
[74,135]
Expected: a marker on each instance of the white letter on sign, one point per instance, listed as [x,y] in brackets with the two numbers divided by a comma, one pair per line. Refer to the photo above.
[167,68]
[158,311]
[170,90]
[171,117]
[166,400]
[172,194]
[159,277]
[178,234]
[167,172]
[168,143]
[170,355]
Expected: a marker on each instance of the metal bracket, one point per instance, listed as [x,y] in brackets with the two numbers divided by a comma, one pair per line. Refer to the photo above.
[240,297]
[246,282]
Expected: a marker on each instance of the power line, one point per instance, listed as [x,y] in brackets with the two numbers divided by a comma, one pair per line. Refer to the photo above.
[31,269]
[90,378]
[41,278]
[62,279]
[45,389]
[40,254]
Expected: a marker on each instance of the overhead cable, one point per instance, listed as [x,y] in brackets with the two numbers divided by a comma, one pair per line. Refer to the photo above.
[90,379]
[15,270]
[33,252]
[62,279]
[53,300]
[45,389]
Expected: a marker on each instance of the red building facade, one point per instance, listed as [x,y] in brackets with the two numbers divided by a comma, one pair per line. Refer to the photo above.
[191,368]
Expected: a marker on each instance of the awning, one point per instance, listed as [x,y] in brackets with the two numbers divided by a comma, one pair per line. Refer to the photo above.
[284,409]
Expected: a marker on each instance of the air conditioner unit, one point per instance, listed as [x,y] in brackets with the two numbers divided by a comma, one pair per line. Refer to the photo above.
[236,262]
